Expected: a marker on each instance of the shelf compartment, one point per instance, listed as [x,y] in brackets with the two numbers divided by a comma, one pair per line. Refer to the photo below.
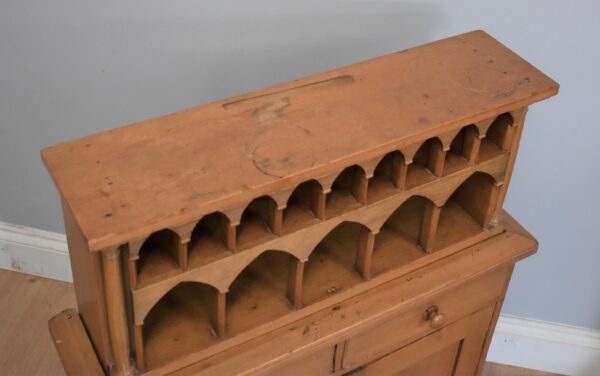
[259,294]
[348,191]
[181,323]
[209,240]
[260,221]
[464,150]
[305,206]
[498,138]
[427,164]
[468,211]
[331,266]
[159,257]
[389,177]
[397,243]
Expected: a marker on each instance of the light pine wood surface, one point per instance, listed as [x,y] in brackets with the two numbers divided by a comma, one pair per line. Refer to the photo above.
[28,303]
[222,155]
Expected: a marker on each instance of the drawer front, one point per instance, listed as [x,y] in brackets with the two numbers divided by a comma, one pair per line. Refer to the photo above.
[378,340]
[453,350]
[320,362]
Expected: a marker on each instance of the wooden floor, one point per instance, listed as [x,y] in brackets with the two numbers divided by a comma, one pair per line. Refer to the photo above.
[27,302]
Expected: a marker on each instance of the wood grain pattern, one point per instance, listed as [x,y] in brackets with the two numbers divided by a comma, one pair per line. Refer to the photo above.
[89,288]
[480,267]
[356,203]
[70,338]
[28,302]
[129,182]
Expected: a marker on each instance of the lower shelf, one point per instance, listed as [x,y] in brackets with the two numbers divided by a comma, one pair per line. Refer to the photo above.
[179,324]
[258,295]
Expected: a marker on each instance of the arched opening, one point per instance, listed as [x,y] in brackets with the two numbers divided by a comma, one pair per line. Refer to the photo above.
[331,266]
[398,241]
[158,257]
[388,178]
[258,294]
[259,222]
[498,137]
[464,149]
[304,207]
[209,240]
[349,191]
[428,163]
[468,210]
[179,324]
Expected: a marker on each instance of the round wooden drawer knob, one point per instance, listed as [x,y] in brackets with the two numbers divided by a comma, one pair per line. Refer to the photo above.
[435,318]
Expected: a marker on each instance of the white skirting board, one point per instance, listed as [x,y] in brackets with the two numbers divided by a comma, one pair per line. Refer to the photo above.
[546,346]
[517,341]
[33,251]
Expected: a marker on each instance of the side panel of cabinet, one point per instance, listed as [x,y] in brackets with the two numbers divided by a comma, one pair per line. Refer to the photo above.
[89,288]
[453,350]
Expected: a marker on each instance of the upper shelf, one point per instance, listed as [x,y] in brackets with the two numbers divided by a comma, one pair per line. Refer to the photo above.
[131,181]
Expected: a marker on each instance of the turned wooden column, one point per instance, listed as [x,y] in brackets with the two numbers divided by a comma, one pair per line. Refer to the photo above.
[117,316]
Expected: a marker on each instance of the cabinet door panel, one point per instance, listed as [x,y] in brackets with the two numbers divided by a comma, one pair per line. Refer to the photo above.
[453,350]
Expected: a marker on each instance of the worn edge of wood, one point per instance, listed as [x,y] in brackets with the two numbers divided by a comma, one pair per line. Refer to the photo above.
[99,243]
[73,344]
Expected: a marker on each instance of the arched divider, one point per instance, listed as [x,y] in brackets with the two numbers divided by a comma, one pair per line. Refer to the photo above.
[464,150]
[399,240]
[348,191]
[183,321]
[260,292]
[302,242]
[160,255]
[260,221]
[304,207]
[428,163]
[332,265]
[471,206]
[212,238]
[389,177]
[498,137]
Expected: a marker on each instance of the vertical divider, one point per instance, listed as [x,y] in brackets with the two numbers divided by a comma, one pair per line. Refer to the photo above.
[514,148]
[365,254]
[436,158]
[218,314]
[471,145]
[275,217]
[399,170]
[429,226]
[132,271]
[488,218]
[318,203]
[506,142]
[230,237]
[295,280]
[140,362]
[182,253]
[360,186]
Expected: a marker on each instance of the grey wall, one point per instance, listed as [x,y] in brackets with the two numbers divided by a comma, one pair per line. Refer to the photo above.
[69,68]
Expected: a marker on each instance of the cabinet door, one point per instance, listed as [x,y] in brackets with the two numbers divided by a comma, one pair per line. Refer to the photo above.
[453,350]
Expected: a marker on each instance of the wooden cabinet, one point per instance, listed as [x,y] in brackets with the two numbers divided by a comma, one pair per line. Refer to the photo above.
[452,350]
[349,221]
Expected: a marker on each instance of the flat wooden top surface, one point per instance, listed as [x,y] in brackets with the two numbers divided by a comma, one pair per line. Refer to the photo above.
[128,182]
